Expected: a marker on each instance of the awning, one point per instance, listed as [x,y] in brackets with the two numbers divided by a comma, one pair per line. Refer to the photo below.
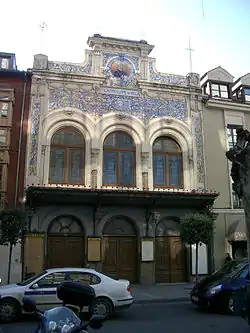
[45,195]
[237,231]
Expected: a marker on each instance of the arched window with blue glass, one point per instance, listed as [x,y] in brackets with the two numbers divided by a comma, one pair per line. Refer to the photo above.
[67,154]
[119,160]
[167,163]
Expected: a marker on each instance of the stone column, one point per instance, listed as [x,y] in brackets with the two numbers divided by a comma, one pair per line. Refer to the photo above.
[145,166]
[94,164]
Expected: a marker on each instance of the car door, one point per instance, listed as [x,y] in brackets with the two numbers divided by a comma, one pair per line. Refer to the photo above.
[86,278]
[43,291]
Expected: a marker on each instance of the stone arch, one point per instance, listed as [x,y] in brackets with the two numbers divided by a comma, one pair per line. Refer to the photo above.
[178,131]
[168,226]
[120,225]
[60,119]
[65,224]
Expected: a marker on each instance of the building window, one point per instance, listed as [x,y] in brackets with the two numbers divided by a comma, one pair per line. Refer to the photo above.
[247,95]
[4,106]
[167,163]
[67,157]
[219,90]
[3,137]
[237,202]
[232,135]
[119,160]
[4,63]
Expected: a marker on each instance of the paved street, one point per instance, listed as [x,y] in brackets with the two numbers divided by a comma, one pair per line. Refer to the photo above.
[162,317]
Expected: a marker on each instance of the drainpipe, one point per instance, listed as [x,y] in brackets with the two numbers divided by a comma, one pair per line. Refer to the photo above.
[20,139]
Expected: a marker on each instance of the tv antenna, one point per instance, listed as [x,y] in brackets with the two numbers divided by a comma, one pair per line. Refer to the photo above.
[190,55]
[42,27]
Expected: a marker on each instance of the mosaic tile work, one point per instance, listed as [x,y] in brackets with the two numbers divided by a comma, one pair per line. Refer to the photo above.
[199,146]
[35,116]
[121,72]
[166,78]
[70,67]
[99,104]
[108,56]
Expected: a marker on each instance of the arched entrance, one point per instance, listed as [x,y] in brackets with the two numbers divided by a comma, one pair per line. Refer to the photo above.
[119,251]
[169,253]
[65,243]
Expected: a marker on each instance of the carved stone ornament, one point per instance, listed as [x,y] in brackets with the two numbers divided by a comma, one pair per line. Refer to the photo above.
[69,112]
[168,121]
[43,149]
[121,116]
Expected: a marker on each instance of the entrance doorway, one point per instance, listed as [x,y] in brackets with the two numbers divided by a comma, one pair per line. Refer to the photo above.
[119,251]
[65,246]
[169,253]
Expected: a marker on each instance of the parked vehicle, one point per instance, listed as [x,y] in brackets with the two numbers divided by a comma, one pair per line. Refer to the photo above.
[111,295]
[216,292]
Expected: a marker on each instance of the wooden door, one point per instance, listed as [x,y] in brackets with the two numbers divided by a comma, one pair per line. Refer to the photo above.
[119,256]
[169,260]
[65,251]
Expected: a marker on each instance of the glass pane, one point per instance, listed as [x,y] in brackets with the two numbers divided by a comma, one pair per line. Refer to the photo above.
[166,145]
[83,278]
[76,166]
[118,140]
[247,98]
[4,109]
[215,93]
[3,137]
[110,168]
[215,87]
[174,166]
[247,91]
[51,280]
[159,165]
[58,165]
[127,168]
[224,94]
[68,137]
[223,88]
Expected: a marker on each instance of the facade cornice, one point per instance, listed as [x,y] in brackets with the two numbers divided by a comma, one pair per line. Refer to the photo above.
[227,105]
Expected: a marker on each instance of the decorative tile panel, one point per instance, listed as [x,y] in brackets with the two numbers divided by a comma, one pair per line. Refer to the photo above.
[133,59]
[68,67]
[166,78]
[196,118]
[97,105]
[33,145]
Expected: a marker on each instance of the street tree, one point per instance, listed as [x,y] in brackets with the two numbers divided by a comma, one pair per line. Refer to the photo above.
[196,229]
[12,223]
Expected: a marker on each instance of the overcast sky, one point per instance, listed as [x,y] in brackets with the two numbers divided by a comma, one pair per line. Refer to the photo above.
[219,33]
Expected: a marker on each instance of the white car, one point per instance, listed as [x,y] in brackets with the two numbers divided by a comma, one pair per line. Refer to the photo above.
[111,295]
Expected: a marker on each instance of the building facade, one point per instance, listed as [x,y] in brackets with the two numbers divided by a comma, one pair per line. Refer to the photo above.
[226,107]
[14,112]
[114,160]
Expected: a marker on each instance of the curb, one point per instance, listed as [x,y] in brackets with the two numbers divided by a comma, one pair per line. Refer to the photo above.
[162,300]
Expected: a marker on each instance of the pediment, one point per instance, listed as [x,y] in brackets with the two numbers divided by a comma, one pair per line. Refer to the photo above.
[220,74]
[245,80]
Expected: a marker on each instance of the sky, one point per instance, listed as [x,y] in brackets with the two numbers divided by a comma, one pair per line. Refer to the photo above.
[218,30]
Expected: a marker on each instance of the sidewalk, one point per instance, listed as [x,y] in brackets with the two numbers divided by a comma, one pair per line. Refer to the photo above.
[161,293]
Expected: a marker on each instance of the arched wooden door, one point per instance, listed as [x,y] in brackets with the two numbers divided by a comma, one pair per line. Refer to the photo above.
[119,250]
[65,246]
[169,253]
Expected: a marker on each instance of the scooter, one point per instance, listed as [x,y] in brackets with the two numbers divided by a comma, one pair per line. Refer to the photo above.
[65,319]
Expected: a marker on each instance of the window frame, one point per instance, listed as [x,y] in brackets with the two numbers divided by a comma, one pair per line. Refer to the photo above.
[118,151]
[67,149]
[219,84]
[8,59]
[162,153]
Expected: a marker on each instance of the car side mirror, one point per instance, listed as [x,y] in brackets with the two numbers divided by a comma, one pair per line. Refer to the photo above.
[29,305]
[35,286]
[96,321]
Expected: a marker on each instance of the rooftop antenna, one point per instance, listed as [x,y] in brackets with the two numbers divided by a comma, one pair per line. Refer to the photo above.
[42,27]
[190,55]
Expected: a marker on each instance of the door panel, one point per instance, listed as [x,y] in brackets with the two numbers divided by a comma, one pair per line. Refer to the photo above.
[169,260]
[119,257]
[65,251]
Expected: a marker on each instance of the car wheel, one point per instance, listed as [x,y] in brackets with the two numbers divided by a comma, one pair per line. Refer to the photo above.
[10,310]
[101,306]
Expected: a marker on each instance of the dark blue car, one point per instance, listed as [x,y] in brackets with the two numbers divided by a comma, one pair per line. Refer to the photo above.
[217,291]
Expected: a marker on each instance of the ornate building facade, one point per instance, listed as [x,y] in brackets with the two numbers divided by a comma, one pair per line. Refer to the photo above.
[114,154]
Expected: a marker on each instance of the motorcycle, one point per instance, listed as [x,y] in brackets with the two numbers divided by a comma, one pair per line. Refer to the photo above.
[65,319]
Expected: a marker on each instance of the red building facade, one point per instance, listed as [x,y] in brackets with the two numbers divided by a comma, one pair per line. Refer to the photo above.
[14,111]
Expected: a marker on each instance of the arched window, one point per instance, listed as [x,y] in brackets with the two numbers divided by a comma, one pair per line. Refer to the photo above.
[119,160]
[67,157]
[167,163]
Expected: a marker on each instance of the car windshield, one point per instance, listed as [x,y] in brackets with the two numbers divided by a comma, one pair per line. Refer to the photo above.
[228,269]
[31,279]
